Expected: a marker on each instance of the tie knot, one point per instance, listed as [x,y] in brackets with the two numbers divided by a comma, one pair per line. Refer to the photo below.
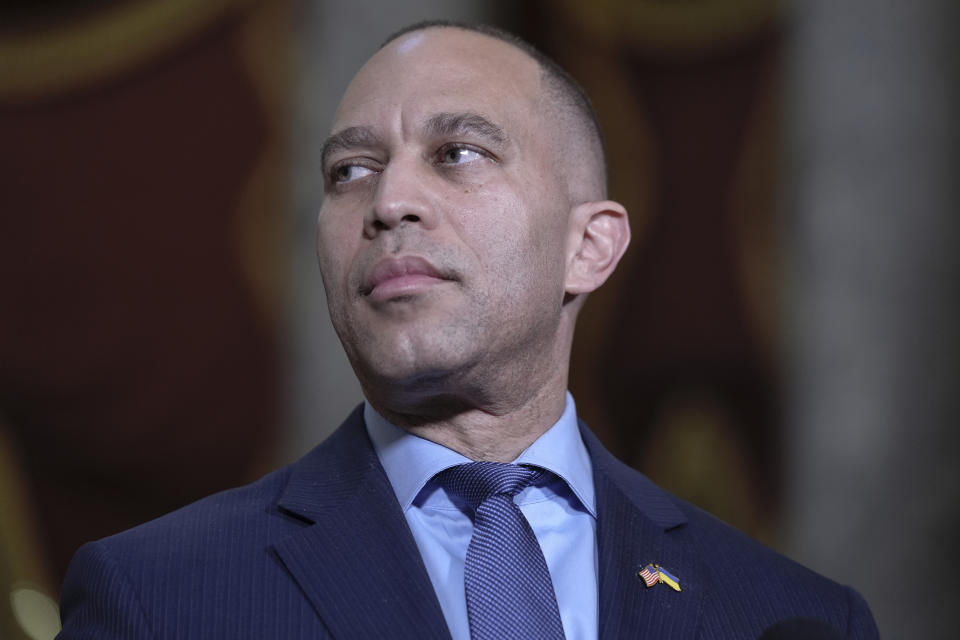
[477,481]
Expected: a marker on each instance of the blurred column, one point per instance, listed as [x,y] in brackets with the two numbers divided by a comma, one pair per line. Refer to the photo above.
[143,161]
[874,311]
[336,38]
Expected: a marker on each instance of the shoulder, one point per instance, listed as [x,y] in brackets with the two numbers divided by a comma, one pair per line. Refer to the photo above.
[237,516]
[253,515]
[734,556]
[211,568]
[725,551]
[749,582]
[144,582]
[743,584]
[188,540]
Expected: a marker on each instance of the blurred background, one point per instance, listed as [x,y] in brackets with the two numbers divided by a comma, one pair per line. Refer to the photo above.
[780,346]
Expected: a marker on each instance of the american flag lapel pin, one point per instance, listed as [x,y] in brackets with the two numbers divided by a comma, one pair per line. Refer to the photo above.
[649,575]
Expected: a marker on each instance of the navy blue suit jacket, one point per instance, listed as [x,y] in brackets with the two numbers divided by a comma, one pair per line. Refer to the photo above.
[321,549]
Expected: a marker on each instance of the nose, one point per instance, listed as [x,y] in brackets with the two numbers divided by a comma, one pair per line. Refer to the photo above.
[402,197]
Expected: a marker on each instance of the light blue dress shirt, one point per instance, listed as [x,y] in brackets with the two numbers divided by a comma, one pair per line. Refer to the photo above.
[562,513]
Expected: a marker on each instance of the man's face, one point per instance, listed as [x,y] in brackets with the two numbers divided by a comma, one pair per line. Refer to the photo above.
[443,234]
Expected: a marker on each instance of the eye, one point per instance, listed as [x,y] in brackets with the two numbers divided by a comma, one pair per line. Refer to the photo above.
[458,154]
[347,172]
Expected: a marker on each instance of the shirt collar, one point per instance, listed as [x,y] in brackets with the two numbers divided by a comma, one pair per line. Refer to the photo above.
[411,461]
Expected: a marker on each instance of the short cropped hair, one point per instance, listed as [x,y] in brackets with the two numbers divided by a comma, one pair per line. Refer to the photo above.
[559,86]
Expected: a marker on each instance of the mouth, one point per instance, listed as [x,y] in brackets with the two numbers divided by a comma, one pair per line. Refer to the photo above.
[392,278]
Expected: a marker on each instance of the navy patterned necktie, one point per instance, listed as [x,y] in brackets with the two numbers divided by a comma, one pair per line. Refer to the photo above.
[508,586]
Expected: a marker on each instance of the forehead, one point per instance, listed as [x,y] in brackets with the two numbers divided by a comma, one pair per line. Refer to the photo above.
[441,69]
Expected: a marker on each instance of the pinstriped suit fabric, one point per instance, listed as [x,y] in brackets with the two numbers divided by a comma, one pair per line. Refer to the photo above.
[194,579]
[321,549]
[733,587]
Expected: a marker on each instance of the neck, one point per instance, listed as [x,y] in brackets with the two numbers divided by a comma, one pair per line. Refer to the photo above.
[489,410]
[491,431]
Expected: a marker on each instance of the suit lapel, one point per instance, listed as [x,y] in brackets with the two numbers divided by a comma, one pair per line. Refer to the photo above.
[638,524]
[356,561]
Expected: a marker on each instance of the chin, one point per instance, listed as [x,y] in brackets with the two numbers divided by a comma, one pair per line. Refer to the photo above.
[419,374]
[410,372]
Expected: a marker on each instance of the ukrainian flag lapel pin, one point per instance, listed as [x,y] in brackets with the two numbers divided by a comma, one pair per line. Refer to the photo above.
[654,573]
[668,578]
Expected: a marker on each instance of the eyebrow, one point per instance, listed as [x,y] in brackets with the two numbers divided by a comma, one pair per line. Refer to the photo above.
[459,124]
[349,138]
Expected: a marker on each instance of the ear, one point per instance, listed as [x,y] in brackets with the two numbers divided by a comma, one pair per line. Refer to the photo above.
[599,234]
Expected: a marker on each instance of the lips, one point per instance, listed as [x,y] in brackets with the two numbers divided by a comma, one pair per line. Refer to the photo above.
[394,277]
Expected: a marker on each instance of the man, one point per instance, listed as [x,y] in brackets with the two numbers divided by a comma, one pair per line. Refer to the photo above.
[464,221]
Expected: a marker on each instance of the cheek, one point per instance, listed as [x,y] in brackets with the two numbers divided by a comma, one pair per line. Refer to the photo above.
[333,255]
[520,246]
[489,216]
